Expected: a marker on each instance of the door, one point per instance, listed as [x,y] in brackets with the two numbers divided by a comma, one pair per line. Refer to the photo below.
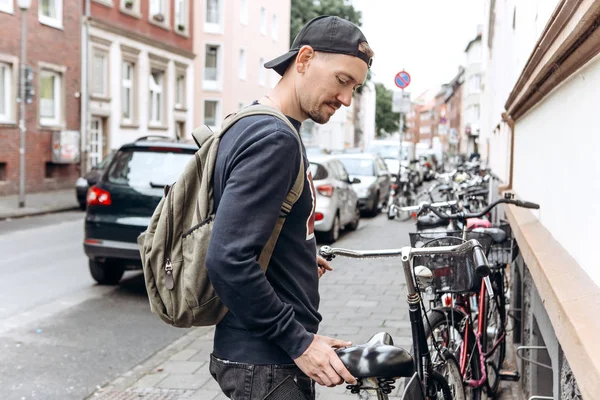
[96,142]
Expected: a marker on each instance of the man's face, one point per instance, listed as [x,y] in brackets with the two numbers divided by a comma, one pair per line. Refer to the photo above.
[328,83]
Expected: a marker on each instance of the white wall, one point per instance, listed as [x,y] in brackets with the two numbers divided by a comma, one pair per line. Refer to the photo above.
[557,163]
[368,99]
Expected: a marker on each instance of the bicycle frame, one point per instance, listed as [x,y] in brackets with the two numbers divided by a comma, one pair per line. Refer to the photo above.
[421,356]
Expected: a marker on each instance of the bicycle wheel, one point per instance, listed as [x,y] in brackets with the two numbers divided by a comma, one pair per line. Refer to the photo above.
[450,370]
[437,387]
[493,337]
[447,327]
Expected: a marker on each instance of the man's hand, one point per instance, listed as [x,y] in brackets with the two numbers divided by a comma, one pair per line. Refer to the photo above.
[322,365]
[323,265]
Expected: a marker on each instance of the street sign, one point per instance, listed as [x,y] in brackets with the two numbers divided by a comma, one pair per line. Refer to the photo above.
[401,102]
[402,79]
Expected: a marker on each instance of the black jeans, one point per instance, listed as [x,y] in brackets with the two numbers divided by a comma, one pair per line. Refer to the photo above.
[240,381]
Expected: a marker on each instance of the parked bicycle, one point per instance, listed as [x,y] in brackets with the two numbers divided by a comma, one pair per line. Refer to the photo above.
[378,364]
[471,320]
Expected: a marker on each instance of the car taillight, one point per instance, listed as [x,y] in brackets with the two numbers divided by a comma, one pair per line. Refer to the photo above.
[394,186]
[319,216]
[98,197]
[428,164]
[325,190]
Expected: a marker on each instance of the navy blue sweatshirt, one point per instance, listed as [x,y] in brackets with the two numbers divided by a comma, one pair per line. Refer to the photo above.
[272,317]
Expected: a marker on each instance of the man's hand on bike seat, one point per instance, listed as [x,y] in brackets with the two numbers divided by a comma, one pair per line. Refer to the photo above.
[322,365]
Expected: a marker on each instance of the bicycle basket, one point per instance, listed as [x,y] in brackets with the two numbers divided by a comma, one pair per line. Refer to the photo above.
[421,239]
[452,273]
[503,253]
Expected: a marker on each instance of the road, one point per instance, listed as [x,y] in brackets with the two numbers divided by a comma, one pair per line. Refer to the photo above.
[61,334]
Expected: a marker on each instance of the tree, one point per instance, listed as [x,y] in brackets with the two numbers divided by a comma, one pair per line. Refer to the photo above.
[386,121]
[305,10]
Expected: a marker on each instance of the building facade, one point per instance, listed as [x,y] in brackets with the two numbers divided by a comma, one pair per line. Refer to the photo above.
[140,69]
[53,60]
[471,108]
[232,41]
[542,61]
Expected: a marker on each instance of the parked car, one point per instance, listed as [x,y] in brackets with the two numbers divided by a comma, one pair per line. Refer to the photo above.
[83,183]
[337,203]
[374,190]
[121,203]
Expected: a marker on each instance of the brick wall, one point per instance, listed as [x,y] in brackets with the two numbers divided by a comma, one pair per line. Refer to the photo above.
[60,47]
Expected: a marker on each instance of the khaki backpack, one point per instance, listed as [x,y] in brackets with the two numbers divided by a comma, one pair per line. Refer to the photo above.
[173,247]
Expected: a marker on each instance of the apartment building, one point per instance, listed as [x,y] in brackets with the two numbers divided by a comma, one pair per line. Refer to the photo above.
[232,41]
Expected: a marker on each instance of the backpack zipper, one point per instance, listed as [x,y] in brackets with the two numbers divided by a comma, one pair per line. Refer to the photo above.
[168,265]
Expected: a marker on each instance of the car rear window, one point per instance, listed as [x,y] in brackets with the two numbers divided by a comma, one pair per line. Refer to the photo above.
[318,171]
[358,166]
[147,167]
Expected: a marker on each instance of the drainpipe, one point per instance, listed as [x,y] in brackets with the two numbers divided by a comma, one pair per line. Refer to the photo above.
[85,98]
[511,124]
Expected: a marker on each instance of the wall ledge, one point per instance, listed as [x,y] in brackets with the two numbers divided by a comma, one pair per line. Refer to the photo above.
[570,297]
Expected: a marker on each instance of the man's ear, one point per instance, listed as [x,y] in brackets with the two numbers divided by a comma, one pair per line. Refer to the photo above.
[303,59]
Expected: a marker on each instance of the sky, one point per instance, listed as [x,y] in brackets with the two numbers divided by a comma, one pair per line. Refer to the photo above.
[427,38]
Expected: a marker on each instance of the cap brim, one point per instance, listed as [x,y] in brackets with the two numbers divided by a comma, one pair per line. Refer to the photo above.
[281,63]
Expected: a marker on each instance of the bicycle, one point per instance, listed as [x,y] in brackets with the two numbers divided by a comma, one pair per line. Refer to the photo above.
[480,350]
[377,364]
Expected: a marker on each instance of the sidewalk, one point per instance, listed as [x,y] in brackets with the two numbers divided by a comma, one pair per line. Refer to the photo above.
[38,203]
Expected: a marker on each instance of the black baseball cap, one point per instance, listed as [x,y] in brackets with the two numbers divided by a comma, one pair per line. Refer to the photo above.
[327,34]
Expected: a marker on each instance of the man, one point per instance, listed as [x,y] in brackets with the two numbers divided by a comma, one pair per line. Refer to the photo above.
[269,333]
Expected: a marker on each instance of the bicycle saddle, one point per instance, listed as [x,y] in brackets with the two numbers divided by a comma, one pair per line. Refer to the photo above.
[378,358]
[497,234]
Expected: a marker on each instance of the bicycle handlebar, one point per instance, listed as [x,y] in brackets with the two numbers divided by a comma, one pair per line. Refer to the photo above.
[464,216]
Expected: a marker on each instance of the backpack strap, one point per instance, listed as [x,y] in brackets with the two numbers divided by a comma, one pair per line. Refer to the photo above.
[296,191]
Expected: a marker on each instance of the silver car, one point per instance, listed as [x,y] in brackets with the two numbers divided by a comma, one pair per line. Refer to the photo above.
[337,202]
[374,189]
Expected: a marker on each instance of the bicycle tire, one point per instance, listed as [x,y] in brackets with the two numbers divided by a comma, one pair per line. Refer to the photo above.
[495,311]
[437,379]
[439,318]
[450,370]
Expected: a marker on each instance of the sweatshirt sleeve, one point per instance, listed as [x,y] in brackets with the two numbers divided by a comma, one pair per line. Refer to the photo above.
[261,173]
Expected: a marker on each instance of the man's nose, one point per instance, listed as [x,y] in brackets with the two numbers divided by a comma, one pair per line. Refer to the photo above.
[345,97]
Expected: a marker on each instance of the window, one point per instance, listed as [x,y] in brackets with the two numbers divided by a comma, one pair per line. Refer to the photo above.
[50,98]
[263,21]
[99,73]
[180,90]
[214,16]
[475,84]
[157,7]
[261,71]
[425,129]
[212,67]
[50,12]
[242,65]
[131,7]
[157,100]
[127,90]
[274,78]
[5,92]
[7,6]
[181,15]
[211,110]
[275,28]
[244,12]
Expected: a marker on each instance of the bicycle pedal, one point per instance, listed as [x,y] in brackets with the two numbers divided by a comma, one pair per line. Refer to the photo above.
[506,375]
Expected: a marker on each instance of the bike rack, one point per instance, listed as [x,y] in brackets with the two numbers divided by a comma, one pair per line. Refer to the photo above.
[521,348]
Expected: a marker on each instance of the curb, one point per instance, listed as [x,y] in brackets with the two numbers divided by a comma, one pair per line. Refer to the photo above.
[148,366]
[5,216]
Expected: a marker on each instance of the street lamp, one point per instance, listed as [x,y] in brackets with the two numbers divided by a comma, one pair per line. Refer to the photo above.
[24,6]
